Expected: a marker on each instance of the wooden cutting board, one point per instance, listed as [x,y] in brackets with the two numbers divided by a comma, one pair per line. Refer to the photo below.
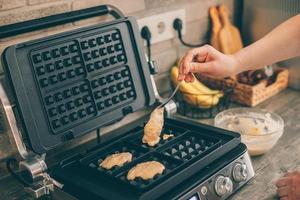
[229,37]
[216,28]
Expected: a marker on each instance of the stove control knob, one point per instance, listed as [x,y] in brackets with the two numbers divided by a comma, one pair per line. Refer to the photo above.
[223,185]
[239,172]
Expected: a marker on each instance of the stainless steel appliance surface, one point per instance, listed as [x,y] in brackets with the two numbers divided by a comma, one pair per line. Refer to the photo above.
[64,86]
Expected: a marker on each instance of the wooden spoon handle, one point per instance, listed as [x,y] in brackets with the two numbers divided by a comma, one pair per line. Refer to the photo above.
[223,12]
[213,12]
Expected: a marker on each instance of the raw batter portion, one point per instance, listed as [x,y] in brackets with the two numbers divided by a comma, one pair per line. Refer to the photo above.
[167,136]
[249,125]
[146,170]
[154,127]
[117,159]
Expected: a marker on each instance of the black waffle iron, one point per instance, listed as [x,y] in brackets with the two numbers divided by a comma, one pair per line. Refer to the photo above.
[67,85]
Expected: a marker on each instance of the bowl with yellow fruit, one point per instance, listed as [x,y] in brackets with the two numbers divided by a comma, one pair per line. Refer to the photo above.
[196,93]
[260,129]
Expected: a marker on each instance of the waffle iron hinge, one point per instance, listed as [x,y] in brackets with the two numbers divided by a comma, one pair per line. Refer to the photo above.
[35,169]
[32,166]
[171,106]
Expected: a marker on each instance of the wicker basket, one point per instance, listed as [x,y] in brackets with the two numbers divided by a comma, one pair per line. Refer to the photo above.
[247,94]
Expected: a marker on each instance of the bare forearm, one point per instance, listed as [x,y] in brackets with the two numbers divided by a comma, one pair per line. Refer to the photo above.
[280,44]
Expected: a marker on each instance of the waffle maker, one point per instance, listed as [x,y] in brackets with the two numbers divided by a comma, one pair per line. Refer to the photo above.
[64,86]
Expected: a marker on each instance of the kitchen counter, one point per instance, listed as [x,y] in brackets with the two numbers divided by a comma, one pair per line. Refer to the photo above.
[268,167]
[284,156]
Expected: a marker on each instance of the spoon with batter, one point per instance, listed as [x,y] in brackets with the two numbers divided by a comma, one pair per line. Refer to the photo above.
[155,124]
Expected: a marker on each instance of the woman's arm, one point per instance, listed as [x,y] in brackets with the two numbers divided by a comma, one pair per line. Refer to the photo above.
[281,43]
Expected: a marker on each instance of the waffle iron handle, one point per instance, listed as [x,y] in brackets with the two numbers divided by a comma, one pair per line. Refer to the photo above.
[58,19]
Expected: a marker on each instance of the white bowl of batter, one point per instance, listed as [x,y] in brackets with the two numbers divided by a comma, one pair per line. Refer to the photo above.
[259,129]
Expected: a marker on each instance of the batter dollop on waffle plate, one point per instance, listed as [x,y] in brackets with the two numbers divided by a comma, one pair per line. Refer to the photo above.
[117,159]
[146,170]
[154,127]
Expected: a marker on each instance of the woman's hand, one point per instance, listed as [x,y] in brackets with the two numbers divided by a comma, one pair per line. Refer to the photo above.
[209,61]
[288,187]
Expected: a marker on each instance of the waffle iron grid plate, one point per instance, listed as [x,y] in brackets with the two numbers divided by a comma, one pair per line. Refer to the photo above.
[194,147]
[190,150]
[185,146]
[71,83]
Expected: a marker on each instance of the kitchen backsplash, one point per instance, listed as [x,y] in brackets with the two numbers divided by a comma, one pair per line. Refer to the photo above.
[165,53]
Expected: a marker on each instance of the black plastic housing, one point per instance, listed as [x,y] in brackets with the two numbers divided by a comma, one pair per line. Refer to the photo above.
[71,83]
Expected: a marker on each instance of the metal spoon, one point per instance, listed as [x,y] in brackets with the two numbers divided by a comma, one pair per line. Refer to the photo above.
[269,70]
[172,95]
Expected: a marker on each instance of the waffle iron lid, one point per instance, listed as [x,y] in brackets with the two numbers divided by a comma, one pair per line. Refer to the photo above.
[72,83]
